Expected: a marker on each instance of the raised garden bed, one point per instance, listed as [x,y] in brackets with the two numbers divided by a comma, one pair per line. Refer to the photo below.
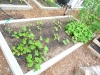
[41,4]
[95,49]
[57,49]
[75,4]
[15,5]
[97,41]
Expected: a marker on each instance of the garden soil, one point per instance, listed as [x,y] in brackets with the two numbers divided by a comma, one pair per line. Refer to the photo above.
[47,31]
[81,57]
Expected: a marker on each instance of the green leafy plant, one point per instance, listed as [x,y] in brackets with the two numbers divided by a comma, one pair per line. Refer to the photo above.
[79,31]
[47,40]
[56,37]
[9,30]
[34,50]
[41,38]
[56,28]
[11,1]
[58,24]
[51,3]
[39,24]
[90,15]
[21,1]
[66,41]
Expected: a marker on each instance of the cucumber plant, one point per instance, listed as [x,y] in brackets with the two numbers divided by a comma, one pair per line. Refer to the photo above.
[33,49]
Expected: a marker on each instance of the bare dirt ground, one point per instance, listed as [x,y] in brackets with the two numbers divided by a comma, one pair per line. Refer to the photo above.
[34,13]
[81,57]
[4,68]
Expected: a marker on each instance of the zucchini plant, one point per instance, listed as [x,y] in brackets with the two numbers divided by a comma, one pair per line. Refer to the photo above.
[33,49]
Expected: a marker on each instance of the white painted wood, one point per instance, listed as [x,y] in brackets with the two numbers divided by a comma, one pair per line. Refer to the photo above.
[44,7]
[9,57]
[74,5]
[33,19]
[54,60]
[94,51]
[16,7]
[96,41]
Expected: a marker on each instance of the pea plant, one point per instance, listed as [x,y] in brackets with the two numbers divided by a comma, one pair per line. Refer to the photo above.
[79,32]
[33,49]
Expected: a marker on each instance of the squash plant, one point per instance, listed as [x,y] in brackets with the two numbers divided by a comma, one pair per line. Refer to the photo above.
[33,49]
[79,31]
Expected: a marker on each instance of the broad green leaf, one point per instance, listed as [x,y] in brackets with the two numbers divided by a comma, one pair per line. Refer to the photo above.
[30,64]
[47,40]
[38,44]
[43,58]
[29,56]
[32,47]
[37,67]
[36,53]
[41,38]
[24,28]
[46,49]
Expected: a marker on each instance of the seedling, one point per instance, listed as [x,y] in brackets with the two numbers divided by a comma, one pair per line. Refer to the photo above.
[9,30]
[46,50]
[66,41]
[21,1]
[47,40]
[41,38]
[58,24]
[39,24]
[56,28]
[11,1]
[56,37]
